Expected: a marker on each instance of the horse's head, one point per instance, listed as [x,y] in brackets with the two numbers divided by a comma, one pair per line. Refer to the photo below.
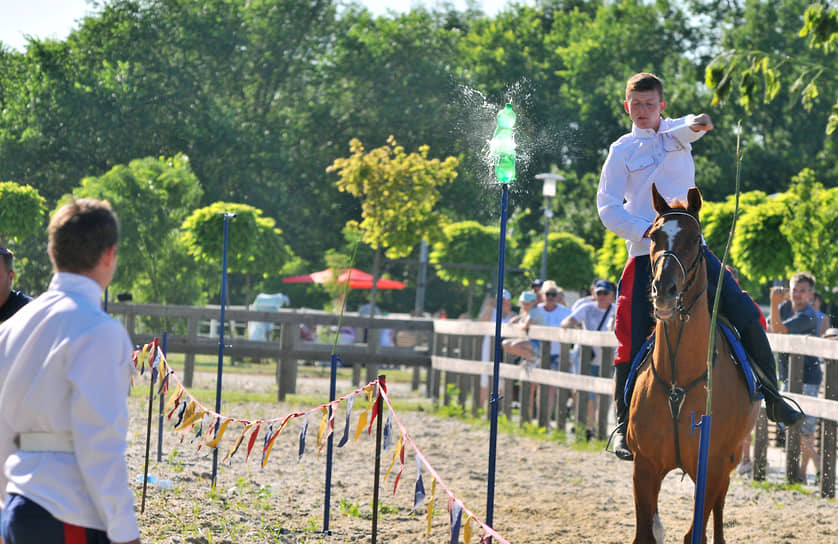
[676,252]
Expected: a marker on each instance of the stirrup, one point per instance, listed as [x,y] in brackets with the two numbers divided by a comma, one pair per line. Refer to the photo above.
[622,453]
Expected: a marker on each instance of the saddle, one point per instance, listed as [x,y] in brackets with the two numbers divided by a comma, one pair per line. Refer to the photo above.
[735,347]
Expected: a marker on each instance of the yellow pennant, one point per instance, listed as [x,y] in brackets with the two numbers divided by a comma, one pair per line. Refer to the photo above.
[322,429]
[431,505]
[238,441]
[467,531]
[214,442]
[362,422]
[173,397]
[395,456]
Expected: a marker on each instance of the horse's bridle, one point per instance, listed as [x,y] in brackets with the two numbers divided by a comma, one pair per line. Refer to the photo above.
[689,275]
[676,394]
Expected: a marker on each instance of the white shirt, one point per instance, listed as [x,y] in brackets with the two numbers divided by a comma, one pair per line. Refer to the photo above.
[65,366]
[553,318]
[590,315]
[635,161]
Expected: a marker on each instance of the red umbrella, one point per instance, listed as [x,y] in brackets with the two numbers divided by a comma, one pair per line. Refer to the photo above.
[358,279]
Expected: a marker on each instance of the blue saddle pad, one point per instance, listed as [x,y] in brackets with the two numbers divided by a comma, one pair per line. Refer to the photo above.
[737,350]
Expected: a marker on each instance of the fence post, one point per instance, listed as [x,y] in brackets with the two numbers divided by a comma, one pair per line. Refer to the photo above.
[793,433]
[476,388]
[581,407]
[464,380]
[606,369]
[189,358]
[828,432]
[544,407]
[286,365]
[564,394]
[760,455]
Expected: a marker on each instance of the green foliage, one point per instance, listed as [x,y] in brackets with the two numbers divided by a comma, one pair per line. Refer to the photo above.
[466,242]
[22,211]
[151,197]
[570,261]
[717,217]
[760,250]
[255,246]
[611,257]
[811,227]
[783,62]
[398,193]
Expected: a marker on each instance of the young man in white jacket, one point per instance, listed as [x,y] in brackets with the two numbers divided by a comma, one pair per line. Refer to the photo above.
[65,371]
[658,150]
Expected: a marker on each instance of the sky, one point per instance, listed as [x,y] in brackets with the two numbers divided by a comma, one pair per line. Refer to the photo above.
[56,18]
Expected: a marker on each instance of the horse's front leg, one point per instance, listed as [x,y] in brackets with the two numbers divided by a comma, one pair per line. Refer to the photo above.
[647,486]
[718,482]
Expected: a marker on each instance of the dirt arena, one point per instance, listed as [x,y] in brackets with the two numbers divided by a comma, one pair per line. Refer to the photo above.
[545,492]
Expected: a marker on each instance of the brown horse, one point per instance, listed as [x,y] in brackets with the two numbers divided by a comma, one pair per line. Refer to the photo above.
[674,385]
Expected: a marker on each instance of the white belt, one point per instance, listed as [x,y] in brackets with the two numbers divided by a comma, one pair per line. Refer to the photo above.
[37,441]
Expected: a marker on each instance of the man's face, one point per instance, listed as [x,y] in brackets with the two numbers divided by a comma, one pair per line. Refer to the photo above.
[551,300]
[645,108]
[801,294]
[604,298]
[6,277]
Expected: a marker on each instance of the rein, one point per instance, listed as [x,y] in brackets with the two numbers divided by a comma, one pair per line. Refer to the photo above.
[676,394]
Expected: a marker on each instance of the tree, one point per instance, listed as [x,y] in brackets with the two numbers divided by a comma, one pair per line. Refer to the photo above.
[761,252]
[570,261]
[22,211]
[398,193]
[809,71]
[466,243]
[611,257]
[254,245]
[151,197]
[810,225]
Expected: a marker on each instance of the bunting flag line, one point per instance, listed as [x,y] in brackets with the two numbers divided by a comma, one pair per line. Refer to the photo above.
[455,512]
[467,531]
[400,449]
[421,460]
[211,427]
[321,430]
[303,439]
[431,506]
[393,462]
[350,400]
[387,435]
[419,489]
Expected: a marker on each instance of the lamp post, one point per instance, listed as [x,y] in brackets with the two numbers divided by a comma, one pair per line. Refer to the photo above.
[548,190]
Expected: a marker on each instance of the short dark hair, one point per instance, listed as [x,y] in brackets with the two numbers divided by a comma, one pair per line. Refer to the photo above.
[79,234]
[8,258]
[644,81]
[803,276]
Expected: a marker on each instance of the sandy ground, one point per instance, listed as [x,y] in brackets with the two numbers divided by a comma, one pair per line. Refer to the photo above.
[544,492]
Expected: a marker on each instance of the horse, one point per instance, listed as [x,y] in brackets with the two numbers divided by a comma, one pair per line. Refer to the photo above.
[674,385]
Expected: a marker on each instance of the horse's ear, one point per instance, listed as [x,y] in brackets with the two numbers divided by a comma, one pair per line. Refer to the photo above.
[658,201]
[694,200]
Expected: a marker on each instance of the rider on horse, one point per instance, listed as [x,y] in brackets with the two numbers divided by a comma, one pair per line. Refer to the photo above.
[658,151]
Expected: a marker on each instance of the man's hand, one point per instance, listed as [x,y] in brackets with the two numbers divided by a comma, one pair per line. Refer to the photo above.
[778,294]
[702,121]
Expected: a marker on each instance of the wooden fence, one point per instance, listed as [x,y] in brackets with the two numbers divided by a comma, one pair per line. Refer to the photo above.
[451,352]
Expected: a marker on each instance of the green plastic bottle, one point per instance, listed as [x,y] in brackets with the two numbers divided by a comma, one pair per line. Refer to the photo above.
[502,146]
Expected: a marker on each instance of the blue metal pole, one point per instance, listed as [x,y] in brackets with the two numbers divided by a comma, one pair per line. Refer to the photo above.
[227,217]
[333,378]
[493,402]
[701,476]
[162,405]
